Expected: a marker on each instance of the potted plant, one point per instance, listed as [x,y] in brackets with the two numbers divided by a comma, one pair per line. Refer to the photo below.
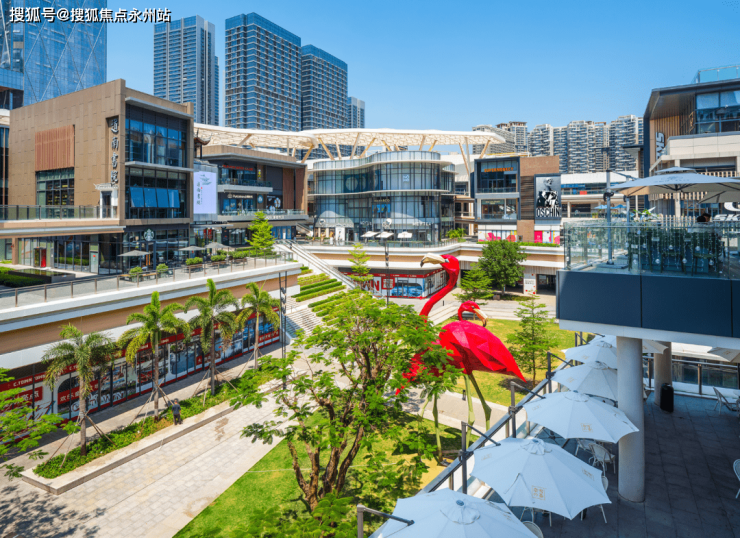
[135,273]
[162,269]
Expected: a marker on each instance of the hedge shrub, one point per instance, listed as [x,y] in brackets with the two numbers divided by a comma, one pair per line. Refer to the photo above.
[311,279]
[193,261]
[218,258]
[315,285]
[318,293]
[18,281]
[317,288]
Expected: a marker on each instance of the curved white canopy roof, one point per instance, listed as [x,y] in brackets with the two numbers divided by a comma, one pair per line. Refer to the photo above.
[330,138]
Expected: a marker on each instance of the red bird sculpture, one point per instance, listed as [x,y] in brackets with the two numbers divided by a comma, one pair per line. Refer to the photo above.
[471,346]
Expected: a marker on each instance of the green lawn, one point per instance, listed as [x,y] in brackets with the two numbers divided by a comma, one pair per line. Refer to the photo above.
[495,387]
[271,482]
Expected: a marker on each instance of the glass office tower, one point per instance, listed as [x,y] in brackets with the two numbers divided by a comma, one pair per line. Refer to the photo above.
[186,66]
[263,75]
[42,60]
[356,110]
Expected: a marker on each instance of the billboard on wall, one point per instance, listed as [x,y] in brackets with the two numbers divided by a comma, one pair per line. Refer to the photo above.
[205,193]
[547,197]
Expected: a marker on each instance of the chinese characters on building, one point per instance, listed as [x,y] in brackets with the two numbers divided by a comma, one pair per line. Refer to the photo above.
[52,14]
[114,147]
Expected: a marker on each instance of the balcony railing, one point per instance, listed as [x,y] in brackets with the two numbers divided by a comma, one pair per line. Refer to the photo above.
[91,286]
[56,212]
[667,247]
[278,213]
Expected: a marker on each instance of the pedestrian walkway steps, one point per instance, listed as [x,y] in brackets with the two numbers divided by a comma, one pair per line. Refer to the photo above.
[303,319]
[314,262]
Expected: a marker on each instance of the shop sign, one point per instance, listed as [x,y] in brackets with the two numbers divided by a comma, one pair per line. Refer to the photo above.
[205,193]
[149,234]
[233,167]
[659,145]
[547,193]
[260,199]
[530,283]
[509,169]
[233,196]
[104,186]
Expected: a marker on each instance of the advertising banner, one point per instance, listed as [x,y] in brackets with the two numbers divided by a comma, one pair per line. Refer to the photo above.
[205,193]
[547,197]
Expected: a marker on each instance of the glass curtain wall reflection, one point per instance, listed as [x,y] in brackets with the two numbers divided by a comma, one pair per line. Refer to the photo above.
[418,197]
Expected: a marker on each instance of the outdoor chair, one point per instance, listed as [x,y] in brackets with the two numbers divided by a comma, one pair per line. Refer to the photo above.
[534,529]
[736,468]
[722,401]
[605,483]
[602,456]
[533,510]
[582,444]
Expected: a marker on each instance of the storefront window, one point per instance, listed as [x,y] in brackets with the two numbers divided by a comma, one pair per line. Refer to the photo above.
[497,176]
[155,138]
[156,194]
[55,187]
[499,209]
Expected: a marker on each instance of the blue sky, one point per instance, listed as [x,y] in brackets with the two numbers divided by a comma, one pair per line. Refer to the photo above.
[451,65]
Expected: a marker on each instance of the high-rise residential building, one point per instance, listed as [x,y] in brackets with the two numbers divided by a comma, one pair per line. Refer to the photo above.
[540,141]
[560,146]
[42,60]
[263,75]
[519,128]
[356,111]
[585,143]
[186,66]
[495,149]
[624,131]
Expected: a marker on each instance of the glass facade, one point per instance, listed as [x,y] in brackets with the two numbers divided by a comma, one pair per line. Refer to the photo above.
[186,67]
[717,112]
[55,187]
[155,138]
[4,137]
[498,176]
[499,209]
[156,194]
[48,59]
[72,252]
[263,75]
[418,197]
[163,247]
[248,175]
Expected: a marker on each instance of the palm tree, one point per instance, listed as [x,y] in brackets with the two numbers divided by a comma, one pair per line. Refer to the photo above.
[88,354]
[155,322]
[257,302]
[212,311]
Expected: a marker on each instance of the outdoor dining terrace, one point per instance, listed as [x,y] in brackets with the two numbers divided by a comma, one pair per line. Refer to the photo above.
[690,485]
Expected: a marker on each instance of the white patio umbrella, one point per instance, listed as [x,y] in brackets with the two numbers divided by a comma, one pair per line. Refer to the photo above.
[672,183]
[370,234]
[594,378]
[405,235]
[447,513]
[730,355]
[531,472]
[573,415]
[601,351]
[648,346]
[721,197]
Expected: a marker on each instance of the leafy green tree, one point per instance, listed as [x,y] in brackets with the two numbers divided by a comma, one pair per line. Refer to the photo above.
[360,270]
[212,311]
[262,240]
[531,342]
[353,367]
[501,260]
[156,322]
[88,354]
[476,285]
[456,233]
[257,302]
[19,429]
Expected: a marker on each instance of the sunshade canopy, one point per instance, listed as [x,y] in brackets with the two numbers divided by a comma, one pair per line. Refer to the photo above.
[133,253]
[677,182]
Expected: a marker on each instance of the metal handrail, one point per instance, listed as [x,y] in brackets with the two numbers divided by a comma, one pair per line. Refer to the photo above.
[700,366]
[218,267]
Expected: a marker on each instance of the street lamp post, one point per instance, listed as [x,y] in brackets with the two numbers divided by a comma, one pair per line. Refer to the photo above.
[385,236]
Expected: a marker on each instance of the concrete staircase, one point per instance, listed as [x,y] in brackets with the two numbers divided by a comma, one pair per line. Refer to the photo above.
[301,319]
[314,262]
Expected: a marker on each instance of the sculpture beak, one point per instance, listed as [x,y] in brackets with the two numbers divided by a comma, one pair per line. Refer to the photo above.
[432,258]
[481,316]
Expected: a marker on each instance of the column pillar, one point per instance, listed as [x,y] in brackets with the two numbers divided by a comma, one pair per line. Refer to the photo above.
[568,209]
[662,370]
[631,462]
